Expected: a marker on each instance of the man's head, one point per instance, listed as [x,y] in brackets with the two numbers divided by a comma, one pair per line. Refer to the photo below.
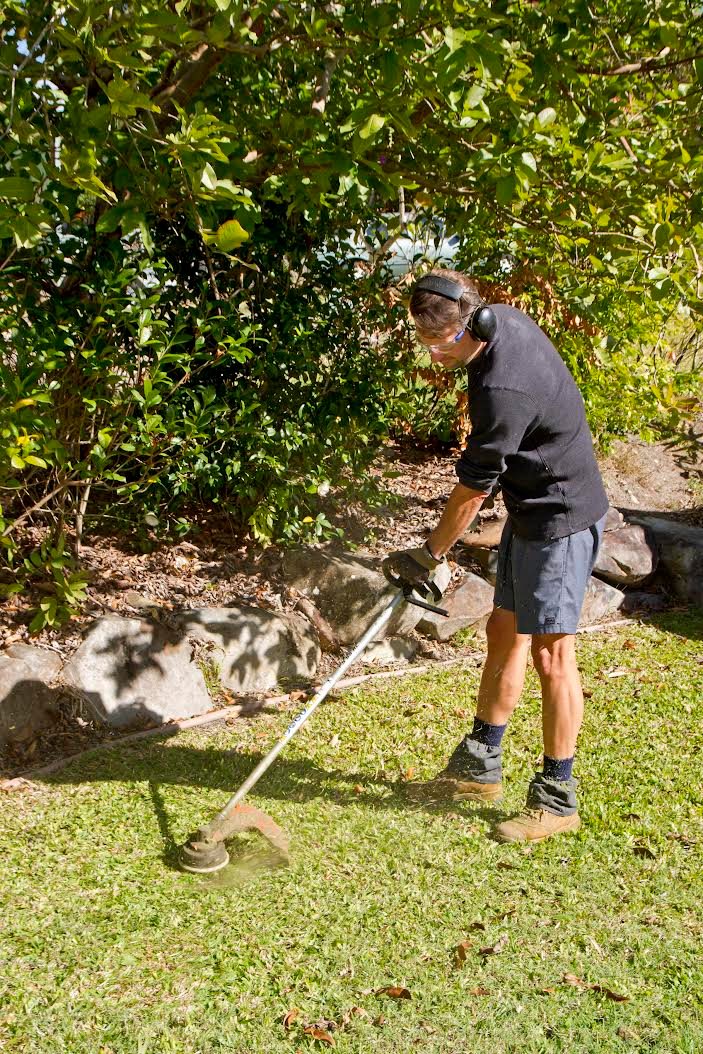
[440,322]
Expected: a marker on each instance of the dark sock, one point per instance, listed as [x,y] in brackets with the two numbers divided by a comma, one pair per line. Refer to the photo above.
[558,769]
[483,732]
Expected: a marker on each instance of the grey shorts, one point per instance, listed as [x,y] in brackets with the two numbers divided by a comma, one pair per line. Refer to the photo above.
[544,583]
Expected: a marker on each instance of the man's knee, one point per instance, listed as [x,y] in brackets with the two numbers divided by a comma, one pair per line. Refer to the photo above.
[500,628]
[553,654]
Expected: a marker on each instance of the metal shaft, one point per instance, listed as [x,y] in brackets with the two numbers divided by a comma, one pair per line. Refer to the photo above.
[302,717]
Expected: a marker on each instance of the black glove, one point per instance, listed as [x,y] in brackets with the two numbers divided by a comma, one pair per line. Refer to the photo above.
[411,567]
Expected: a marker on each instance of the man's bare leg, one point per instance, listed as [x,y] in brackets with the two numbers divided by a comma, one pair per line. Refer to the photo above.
[551,801]
[554,656]
[503,674]
[474,769]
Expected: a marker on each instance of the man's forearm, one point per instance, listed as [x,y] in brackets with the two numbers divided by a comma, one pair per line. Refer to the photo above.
[460,510]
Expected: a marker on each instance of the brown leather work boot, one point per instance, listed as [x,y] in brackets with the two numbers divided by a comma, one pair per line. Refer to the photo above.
[534,825]
[448,786]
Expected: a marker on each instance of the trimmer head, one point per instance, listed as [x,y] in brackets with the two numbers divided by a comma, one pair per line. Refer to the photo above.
[204,853]
[203,857]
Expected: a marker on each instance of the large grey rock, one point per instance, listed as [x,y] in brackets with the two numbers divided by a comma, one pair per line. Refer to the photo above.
[392,649]
[27,702]
[600,601]
[626,556]
[254,649]
[681,553]
[487,535]
[468,605]
[131,672]
[349,591]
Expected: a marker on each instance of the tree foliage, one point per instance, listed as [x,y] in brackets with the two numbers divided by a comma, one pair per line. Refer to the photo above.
[179,184]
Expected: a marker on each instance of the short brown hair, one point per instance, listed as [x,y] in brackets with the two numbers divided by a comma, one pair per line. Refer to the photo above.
[434,313]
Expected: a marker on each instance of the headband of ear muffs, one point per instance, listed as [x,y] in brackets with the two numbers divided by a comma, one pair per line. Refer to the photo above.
[482,321]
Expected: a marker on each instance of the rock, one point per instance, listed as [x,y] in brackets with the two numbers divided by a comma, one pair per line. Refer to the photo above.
[468,605]
[487,559]
[626,556]
[613,519]
[131,672]
[392,649]
[27,702]
[487,536]
[601,600]
[349,592]
[645,602]
[681,554]
[253,649]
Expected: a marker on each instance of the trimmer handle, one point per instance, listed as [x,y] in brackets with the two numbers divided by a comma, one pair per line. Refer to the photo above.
[432,589]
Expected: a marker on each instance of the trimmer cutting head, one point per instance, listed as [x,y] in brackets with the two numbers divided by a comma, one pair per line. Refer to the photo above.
[204,853]
[203,857]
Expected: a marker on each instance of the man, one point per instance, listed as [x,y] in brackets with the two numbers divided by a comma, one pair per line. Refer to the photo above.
[530,436]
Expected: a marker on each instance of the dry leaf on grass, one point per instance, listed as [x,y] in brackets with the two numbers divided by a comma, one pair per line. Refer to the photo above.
[380,1020]
[395,992]
[577,982]
[460,953]
[290,1017]
[320,1034]
[480,990]
[497,948]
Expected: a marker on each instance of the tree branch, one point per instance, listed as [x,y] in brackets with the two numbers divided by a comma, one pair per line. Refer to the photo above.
[651,64]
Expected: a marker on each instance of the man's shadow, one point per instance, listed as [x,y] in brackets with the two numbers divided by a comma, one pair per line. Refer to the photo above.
[290,780]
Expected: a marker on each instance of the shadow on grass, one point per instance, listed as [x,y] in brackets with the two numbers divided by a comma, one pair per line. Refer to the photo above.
[684,622]
[290,780]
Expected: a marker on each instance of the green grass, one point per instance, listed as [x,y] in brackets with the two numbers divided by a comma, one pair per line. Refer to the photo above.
[106,949]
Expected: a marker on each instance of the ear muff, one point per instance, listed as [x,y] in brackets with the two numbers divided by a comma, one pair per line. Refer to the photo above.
[482,322]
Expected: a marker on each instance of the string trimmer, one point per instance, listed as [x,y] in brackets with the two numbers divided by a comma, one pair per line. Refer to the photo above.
[205,851]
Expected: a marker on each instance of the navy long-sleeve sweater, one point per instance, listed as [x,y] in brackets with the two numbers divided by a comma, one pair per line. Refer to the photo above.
[529,433]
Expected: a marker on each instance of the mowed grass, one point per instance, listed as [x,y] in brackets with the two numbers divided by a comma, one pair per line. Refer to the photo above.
[105,948]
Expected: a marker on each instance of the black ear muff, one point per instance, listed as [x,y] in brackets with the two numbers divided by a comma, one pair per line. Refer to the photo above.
[434,283]
[482,324]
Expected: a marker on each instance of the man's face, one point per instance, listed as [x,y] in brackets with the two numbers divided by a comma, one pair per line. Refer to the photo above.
[450,348]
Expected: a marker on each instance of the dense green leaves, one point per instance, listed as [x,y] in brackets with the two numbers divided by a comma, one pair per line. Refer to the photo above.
[183,190]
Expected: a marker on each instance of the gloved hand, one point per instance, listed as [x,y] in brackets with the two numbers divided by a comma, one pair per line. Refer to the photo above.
[413,567]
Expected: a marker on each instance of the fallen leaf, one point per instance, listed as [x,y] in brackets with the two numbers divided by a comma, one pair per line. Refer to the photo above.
[394,992]
[505,865]
[335,741]
[290,1017]
[629,645]
[617,672]
[380,1020]
[354,1011]
[409,773]
[477,926]
[587,693]
[320,1034]
[497,948]
[460,953]
[358,789]
[547,991]
[577,982]
[479,991]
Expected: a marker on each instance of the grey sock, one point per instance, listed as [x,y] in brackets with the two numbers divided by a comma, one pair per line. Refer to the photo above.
[476,761]
[557,796]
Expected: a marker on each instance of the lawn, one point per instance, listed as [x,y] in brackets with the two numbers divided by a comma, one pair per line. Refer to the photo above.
[588,943]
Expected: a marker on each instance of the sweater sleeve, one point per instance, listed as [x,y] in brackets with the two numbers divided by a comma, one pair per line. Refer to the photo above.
[500,419]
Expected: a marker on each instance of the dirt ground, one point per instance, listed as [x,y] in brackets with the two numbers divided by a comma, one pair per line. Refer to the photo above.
[218,567]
